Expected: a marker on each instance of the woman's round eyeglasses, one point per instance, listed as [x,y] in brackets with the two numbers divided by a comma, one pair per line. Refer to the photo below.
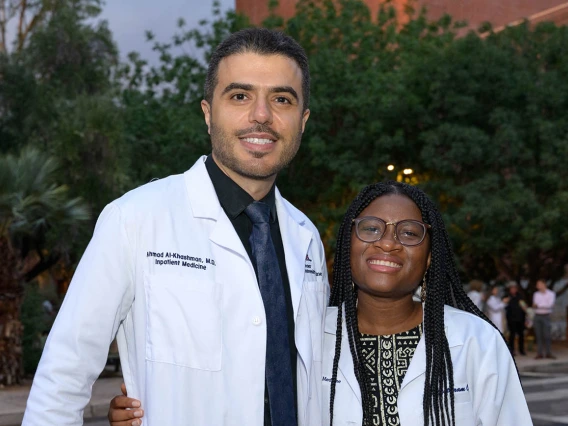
[407,232]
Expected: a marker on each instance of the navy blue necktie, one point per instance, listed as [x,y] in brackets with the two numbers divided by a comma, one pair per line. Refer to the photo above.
[278,364]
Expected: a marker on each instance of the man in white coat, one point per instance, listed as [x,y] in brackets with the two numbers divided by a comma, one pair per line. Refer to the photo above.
[168,270]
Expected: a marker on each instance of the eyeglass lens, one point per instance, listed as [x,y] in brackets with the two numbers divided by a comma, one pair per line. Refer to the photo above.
[408,232]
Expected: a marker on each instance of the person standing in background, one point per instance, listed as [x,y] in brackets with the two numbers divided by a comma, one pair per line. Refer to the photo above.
[516,315]
[496,308]
[475,294]
[543,303]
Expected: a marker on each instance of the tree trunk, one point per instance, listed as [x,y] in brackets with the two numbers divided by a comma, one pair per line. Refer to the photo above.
[11,293]
[3,22]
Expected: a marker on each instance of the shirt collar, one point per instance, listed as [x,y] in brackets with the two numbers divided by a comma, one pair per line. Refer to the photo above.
[232,197]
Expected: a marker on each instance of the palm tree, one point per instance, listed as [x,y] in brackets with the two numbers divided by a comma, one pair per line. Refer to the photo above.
[37,222]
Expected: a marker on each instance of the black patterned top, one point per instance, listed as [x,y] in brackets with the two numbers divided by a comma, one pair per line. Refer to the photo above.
[386,360]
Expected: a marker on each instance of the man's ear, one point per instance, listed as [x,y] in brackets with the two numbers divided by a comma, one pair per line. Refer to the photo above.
[206,108]
[305,116]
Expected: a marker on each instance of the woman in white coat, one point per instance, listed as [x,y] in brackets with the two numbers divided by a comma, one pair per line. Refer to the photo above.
[495,307]
[389,360]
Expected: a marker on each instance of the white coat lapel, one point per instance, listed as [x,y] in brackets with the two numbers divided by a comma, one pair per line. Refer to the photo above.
[205,204]
[296,240]
[345,359]
[417,365]
[224,235]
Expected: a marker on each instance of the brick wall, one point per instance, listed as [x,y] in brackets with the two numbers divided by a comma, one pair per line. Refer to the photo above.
[498,12]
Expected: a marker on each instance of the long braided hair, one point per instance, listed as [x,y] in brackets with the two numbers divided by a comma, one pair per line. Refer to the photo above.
[443,288]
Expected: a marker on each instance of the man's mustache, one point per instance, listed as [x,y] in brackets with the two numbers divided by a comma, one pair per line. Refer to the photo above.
[259,128]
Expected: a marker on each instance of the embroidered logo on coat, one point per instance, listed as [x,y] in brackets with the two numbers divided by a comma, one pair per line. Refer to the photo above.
[309,269]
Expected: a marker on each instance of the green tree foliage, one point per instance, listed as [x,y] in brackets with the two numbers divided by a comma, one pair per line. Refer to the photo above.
[18,96]
[36,323]
[25,16]
[39,222]
[37,215]
[71,57]
[58,93]
[497,140]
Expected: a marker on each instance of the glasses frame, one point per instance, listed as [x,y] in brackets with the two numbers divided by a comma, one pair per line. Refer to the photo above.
[356,221]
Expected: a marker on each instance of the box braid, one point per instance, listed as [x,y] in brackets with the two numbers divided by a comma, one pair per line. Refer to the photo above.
[443,288]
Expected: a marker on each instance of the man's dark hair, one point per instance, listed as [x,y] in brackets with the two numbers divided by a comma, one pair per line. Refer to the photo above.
[261,41]
[443,287]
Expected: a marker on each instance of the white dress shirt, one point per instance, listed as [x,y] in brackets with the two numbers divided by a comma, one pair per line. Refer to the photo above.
[544,302]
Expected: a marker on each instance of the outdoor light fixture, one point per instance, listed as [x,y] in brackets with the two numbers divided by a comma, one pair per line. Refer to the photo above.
[390,167]
[408,171]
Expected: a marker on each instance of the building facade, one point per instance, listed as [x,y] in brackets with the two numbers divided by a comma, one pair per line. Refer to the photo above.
[500,13]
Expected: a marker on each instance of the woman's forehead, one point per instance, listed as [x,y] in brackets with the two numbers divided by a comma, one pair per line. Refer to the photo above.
[393,207]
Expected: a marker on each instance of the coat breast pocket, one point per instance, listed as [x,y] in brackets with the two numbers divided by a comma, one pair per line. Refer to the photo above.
[184,321]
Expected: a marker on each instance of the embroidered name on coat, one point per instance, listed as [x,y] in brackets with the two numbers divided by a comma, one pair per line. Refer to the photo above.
[176,259]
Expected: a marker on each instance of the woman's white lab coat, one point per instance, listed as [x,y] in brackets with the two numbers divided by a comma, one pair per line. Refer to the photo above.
[167,271]
[487,388]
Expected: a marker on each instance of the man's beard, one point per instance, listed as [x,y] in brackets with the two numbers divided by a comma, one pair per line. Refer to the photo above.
[223,145]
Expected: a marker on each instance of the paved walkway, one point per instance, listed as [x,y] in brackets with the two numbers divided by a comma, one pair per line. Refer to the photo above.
[527,364]
[13,400]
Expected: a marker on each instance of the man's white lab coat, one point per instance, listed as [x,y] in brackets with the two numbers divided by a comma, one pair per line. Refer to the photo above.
[166,270]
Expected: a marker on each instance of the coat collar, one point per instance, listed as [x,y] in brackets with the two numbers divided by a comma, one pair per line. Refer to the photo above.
[232,197]
[200,191]
[417,365]
[205,205]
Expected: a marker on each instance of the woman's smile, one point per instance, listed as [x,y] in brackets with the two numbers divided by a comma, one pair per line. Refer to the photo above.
[386,264]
